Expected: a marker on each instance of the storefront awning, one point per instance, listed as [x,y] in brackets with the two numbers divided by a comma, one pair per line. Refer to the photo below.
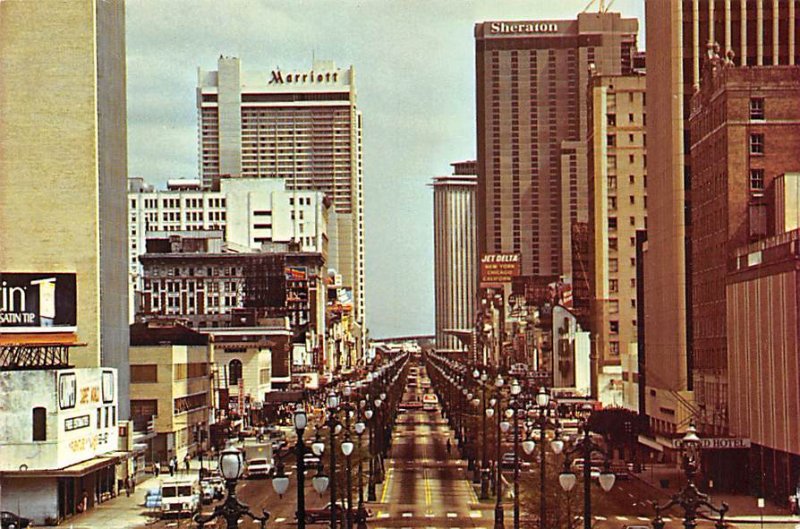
[277,397]
[646,441]
[73,471]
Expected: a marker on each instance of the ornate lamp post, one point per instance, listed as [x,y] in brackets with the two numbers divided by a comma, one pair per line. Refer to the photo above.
[557,445]
[481,379]
[586,447]
[690,498]
[231,465]
[333,406]
[361,513]
[516,389]
[498,506]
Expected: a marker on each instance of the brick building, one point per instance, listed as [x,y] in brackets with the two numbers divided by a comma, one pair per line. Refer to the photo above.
[745,132]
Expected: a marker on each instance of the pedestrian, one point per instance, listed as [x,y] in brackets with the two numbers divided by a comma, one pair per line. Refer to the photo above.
[156,468]
[186,460]
[128,487]
[171,466]
[448,446]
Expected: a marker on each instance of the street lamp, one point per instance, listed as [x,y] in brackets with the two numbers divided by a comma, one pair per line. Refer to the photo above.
[231,465]
[361,513]
[481,379]
[333,406]
[586,447]
[300,423]
[516,389]
[690,498]
[498,506]
[557,445]
[347,450]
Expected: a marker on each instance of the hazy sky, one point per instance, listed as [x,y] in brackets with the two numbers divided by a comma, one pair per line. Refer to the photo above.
[414,62]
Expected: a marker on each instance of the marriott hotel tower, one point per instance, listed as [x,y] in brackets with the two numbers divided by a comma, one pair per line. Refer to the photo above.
[300,125]
[531,117]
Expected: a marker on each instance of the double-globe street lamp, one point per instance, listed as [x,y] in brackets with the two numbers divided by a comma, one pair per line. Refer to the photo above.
[494,408]
[482,379]
[690,499]
[280,483]
[585,447]
[541,421]
[231,465]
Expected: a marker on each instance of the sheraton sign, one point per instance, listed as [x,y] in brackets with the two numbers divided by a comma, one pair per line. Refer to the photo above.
[522,27]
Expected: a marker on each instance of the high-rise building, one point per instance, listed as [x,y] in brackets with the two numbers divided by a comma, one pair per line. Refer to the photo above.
[455,256]
[531,118]
[254,213]
[757,32]
[63,255]
[617,210]
[64,163]
[302,126]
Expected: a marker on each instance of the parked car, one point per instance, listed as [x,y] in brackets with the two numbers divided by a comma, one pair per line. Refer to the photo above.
[218,484]
[310,460]
[507,463]
[9,520]
[206,492]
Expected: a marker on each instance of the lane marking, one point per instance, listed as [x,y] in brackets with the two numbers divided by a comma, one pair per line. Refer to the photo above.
[667,519]
[600,518]
[452,515]
[622,518]
[279,520]
[408,514]
[387,482]
[384,515]
[475,514]
[642,519]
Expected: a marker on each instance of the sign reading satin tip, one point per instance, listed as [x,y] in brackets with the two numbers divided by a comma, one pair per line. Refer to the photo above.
[498,269]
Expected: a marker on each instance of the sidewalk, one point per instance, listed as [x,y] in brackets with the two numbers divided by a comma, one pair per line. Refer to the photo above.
[126,512]
[741,507]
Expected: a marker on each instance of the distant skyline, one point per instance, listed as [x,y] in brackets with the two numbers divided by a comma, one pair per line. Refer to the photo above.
[414,63]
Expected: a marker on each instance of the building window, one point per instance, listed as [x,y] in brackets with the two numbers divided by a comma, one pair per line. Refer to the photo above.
[611,140]
[613,265]
[756,108]
[613,285]
[613,348]
[756,179]
[614,327]
[39,424]
[756,144]
[234,371]
[612,223]
[612,243]
[146,373]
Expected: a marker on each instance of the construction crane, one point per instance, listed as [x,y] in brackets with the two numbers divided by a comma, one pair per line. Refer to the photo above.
[602,7]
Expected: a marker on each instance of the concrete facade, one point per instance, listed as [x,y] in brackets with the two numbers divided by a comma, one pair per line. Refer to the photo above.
[171,369]
[63,132]
[455,257]
[617,209]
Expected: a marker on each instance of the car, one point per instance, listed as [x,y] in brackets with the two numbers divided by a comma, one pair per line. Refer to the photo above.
[507,462]
[310,460]
[9,520]
[206,492]
[258,467]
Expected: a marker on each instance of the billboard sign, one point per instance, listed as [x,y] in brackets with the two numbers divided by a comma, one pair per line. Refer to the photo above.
[42,302]
[498,269]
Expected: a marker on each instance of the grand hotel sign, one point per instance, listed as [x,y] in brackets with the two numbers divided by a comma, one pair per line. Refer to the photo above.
[496,28]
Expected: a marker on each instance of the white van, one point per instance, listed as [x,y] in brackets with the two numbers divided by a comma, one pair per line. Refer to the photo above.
[180,496]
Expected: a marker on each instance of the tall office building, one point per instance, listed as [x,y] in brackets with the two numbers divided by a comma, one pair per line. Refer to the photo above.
[531,117]
[455,256]
[617,210]
[302,126]
[63,170]
[757,32]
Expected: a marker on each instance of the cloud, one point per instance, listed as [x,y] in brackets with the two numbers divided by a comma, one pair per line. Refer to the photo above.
[414,62]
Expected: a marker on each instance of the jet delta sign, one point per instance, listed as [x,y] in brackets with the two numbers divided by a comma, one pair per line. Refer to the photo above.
[522,27]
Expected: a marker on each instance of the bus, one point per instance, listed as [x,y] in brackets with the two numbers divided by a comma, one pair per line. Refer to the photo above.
[429,402]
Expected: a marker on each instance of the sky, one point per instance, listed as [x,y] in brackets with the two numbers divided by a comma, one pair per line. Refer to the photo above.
[415,76]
